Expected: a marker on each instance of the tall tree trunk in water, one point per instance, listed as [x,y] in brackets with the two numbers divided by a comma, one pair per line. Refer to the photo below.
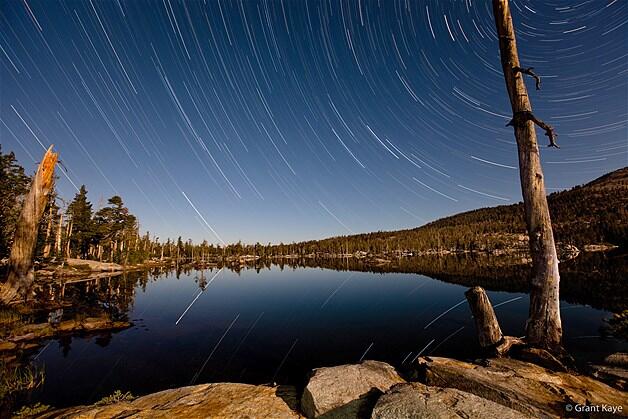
[21,276]
[543,327]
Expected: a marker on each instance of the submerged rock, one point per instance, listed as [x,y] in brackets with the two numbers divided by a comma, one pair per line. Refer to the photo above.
[37,331]
[215,401]
[347,391]
[527,388]
[29,336]
[416,400]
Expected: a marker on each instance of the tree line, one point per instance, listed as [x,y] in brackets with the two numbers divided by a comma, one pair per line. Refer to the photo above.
[108,234]
[588,214]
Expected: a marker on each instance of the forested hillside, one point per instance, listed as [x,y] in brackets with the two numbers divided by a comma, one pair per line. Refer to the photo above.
[593,213]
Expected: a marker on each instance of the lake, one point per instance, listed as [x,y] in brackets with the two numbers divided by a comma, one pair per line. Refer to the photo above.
[274,326]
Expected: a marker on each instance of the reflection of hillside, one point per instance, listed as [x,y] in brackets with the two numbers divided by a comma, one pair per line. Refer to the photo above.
[596,279]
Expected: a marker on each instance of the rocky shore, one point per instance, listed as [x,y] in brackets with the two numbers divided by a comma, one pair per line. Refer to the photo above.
[82,268]
[433,388]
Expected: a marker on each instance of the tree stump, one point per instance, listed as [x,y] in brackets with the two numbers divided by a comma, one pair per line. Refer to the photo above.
[489,332]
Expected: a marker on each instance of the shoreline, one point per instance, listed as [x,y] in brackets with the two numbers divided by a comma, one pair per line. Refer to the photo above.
[75,267]
[432,386]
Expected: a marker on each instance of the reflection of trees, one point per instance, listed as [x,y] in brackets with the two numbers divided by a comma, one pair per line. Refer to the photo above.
[110,296]
[65,343]
[596,279]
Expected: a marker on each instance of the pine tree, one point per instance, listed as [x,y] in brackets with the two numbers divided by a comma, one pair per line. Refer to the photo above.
[13,187]
[115,227]
[82,231]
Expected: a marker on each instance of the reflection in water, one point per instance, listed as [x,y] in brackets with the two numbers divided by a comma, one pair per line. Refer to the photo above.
[596,279]
[265,323]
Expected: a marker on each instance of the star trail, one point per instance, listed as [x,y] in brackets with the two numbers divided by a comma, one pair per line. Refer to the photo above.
[291,120]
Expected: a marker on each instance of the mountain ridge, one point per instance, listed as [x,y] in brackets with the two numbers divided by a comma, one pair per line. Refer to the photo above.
[593,213]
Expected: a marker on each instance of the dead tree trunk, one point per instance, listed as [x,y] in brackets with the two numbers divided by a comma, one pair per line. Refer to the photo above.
[68,241]
[543,327]
[58,250]
[20,276]
[47,244]
[489,332]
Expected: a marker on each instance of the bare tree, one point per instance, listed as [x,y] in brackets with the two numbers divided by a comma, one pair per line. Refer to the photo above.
[20,276]
[543,327]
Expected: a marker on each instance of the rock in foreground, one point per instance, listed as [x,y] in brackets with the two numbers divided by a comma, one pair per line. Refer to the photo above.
[497,389]
[527,388]
[416,400]
[347,391]
[216,401]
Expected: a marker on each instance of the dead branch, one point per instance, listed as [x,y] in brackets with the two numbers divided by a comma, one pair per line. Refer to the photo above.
[549,131]
[522,117]
[530,72]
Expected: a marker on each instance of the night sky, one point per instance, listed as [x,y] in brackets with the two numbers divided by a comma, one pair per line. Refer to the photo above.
[280,121]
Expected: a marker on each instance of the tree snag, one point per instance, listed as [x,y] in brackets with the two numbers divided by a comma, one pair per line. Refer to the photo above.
[20,275]
[543,327]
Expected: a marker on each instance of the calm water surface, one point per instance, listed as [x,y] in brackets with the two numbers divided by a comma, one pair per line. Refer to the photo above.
[276,325]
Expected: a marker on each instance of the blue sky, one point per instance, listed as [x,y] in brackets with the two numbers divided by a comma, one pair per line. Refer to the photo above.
[280,121]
